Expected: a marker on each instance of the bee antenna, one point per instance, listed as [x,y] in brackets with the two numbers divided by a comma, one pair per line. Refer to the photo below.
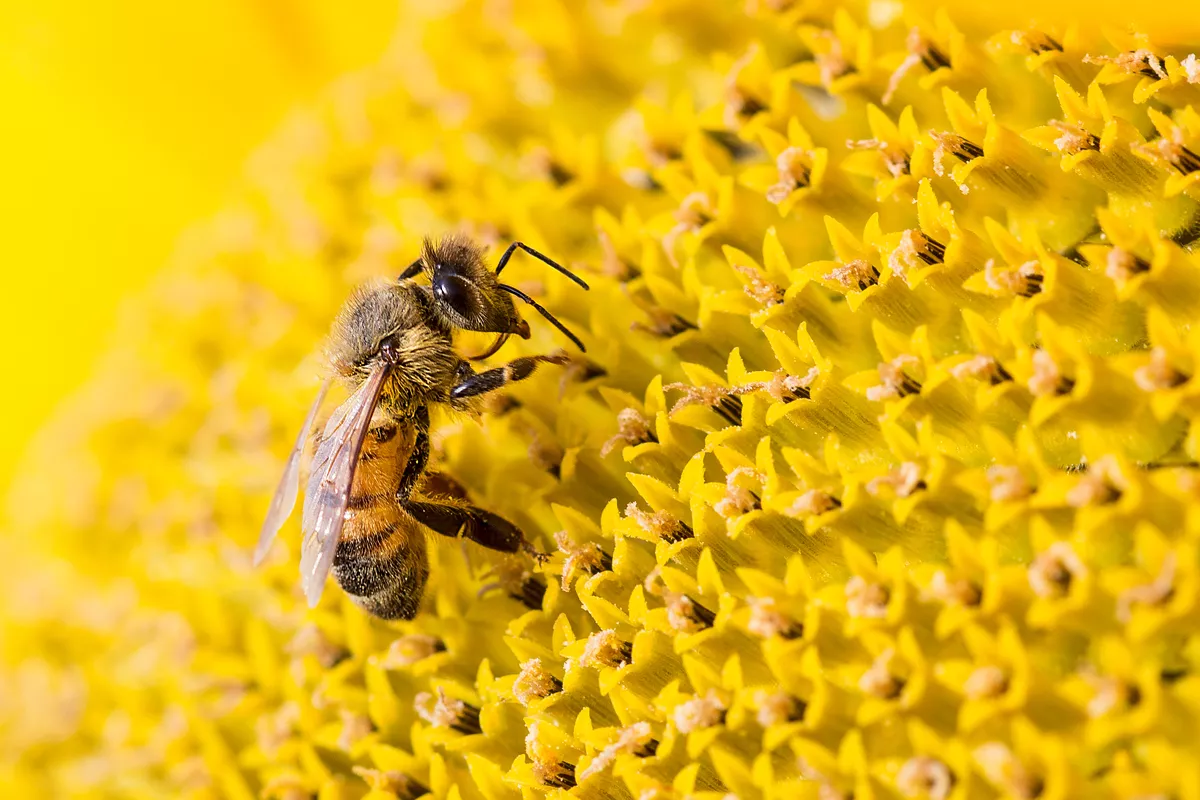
[518,293]
[545,260]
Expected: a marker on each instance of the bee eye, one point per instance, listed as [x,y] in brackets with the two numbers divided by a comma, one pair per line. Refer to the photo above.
[457,293]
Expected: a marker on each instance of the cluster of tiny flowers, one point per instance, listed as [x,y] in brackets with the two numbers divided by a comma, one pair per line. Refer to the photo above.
[879,477]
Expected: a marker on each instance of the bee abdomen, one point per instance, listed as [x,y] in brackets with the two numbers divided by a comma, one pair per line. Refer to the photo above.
[384,576]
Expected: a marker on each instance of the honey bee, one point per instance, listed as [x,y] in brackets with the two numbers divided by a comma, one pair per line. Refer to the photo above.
[366,503]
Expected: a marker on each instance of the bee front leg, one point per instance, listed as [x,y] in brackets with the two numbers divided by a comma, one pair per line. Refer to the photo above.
[480,526]
[516,370]
[418,459]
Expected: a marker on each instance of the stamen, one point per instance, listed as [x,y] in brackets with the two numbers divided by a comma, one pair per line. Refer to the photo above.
[587,558]
[312,641]
[812,503]
[859,272]
[1025,281]
[1102,483]
[986,683]
[740,104]
[408,650]
[903,480]
[1155,594]
[637,739]
[895,157]
[1002,769]
[1047,379]
[1112,694]
[699,713]
[534,682]
[1053,571]
[390,781]
[915,250]
[960,591]
[447,712]
[606,649]
[778,708]
[355,728]
[759,289]
[1007,483]
[632,429]
[660,524]
[925,777]
[1035,41]
[1123,265]
[865,599]
[920,51]
[981,367]
[611,263]
[1135,62]
[878,681]
[547,765]
[273,730]
[1074,139]
[721,399]
[955,145]
[1191,68]
[739,500]
[1159,374]
[895,382]
[767,620]
[795,170]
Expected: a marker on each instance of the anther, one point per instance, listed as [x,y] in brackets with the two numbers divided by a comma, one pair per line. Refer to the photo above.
[857,273]
[391,782]
[637,739]
[879,681]
[778,708]
[759,289]
[925,777]
[866,599]
[895,382]
[699,713]
[660,524]
[795,170]
[408,650]
[768,620]
[1054,570]
[444,711]
[812,503]
[954,145]
[534,682]
[587,558]
[606,649]
[633,428]
[981,367]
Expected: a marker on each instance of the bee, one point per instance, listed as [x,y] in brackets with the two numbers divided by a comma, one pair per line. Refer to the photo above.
[367,503]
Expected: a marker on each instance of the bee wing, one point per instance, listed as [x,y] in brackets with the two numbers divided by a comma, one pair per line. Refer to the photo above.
[328,491]
[284,499]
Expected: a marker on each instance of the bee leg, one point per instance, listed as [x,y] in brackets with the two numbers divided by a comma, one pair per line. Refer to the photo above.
[480,526]
[419,458]
[516,370]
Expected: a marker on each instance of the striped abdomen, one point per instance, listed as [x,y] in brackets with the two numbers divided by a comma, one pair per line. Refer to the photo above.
[380,561]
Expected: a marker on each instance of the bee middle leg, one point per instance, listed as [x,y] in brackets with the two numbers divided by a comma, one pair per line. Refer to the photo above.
[490,380]
[470,522]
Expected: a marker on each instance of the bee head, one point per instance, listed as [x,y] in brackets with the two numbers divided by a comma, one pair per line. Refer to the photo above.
[466,293]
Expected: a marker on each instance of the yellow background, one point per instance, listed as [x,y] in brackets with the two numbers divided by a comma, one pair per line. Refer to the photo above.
[123,121]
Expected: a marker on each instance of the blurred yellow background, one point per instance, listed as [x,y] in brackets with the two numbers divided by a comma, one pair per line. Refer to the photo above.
[123,122]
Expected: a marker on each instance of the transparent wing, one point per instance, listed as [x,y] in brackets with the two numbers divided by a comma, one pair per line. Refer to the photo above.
[284,499]
[328,491]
